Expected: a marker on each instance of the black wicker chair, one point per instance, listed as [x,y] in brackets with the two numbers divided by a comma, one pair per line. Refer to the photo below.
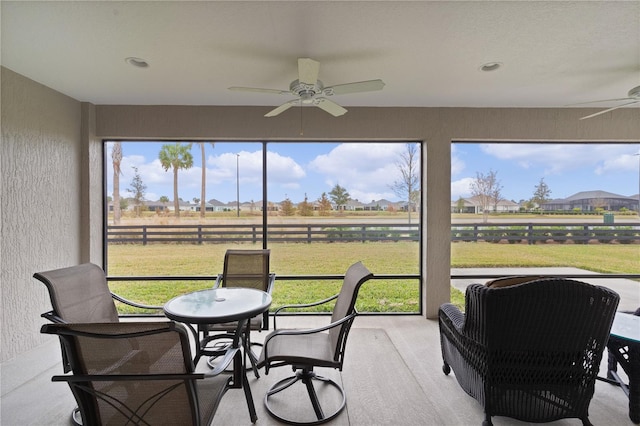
[530,351]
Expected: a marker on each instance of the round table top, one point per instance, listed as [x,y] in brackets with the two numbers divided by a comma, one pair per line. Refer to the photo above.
[213,306]
[626,326]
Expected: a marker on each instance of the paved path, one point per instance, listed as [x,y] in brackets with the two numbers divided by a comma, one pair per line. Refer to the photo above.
[628,290]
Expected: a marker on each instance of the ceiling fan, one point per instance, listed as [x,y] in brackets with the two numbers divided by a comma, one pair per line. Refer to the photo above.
[311,91]
[633,96]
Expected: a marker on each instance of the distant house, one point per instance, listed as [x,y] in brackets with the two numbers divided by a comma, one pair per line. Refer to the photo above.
[473,205]
[590,200]
[381,205]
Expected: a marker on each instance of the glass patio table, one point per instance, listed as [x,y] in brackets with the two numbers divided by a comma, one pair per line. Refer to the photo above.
[624,345]
[221,305]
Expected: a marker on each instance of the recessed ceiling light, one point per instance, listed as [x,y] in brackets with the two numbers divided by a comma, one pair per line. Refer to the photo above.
[137,62]
[490,66]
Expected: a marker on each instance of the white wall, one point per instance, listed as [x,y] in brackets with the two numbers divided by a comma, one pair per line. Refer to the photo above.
[40,204]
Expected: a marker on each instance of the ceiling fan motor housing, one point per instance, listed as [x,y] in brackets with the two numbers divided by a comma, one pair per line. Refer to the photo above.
[305,91]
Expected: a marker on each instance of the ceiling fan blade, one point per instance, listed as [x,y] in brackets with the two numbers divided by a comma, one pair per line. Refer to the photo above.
[259,90]
[361,86]
[282,108]
[610,109]
[601,100]
[329,106]
[308,70]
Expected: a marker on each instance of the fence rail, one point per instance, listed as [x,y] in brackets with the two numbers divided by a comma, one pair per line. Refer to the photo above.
[513,233]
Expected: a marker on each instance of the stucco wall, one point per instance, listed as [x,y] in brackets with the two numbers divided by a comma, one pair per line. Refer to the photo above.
[39,203]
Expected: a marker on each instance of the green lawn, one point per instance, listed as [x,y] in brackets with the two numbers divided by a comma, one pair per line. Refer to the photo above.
[332,259]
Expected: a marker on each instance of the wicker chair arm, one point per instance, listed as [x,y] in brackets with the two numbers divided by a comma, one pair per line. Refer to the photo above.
[134,304]
[455,315]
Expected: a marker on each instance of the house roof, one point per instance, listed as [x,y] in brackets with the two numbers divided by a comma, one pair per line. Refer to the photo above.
[429,54]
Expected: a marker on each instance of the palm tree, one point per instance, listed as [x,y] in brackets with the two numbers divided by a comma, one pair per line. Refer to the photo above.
[116,156]
[203,189]
[176,156]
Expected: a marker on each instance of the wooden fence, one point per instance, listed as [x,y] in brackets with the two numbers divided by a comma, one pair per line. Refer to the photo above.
[529,233]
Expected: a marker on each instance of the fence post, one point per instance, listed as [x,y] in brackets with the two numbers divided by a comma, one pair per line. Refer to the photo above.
[199,234]
[144,235]
[530,239]
[364,234]
[309,234]
[254,235]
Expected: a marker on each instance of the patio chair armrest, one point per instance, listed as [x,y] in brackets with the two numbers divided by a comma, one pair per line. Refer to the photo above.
[271,283]
[222,365]
[454,314]
[134,304]
[301,305]
[284,332]
[51,316]
[305,305]
[124,377]
[218,281]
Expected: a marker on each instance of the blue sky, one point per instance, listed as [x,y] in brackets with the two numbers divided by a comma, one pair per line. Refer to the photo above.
[368,170]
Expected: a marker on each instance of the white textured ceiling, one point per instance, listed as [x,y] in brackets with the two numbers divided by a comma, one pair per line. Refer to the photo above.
[428,53]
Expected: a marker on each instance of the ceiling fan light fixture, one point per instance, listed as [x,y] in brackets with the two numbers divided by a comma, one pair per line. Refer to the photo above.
[137,62]
[490,66]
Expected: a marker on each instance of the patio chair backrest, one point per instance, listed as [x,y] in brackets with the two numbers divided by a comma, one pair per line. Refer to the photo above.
[79,294]
[119,373]
[345,305]
[246,268]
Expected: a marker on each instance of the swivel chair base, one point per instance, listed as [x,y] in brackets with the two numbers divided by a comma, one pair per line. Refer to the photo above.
[307,377]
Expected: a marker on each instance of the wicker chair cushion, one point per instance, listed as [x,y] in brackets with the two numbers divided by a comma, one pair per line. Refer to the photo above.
[509,281]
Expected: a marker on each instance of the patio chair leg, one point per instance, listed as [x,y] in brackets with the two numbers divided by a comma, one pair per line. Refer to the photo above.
[308,381]
[487,421]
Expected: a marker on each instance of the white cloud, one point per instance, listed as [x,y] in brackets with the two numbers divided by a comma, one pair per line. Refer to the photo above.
[365,170]
[461,188]
[557,158]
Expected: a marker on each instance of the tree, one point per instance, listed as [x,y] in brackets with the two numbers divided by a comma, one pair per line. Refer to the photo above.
[138,189]
[541,194]
[176,156]
[339,196]
[116,156]
[287,207]
[408,186]
[164,200]
[203,188]
[487,189]
[324,205]
[460,205]
[305,208]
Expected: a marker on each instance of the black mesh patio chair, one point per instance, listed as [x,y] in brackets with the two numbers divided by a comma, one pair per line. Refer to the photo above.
[80,294]
[139,373]
[248,269]
[304,350]
[530,351]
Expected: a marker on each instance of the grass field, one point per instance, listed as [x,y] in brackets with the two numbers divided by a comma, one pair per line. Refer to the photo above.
[333,259]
